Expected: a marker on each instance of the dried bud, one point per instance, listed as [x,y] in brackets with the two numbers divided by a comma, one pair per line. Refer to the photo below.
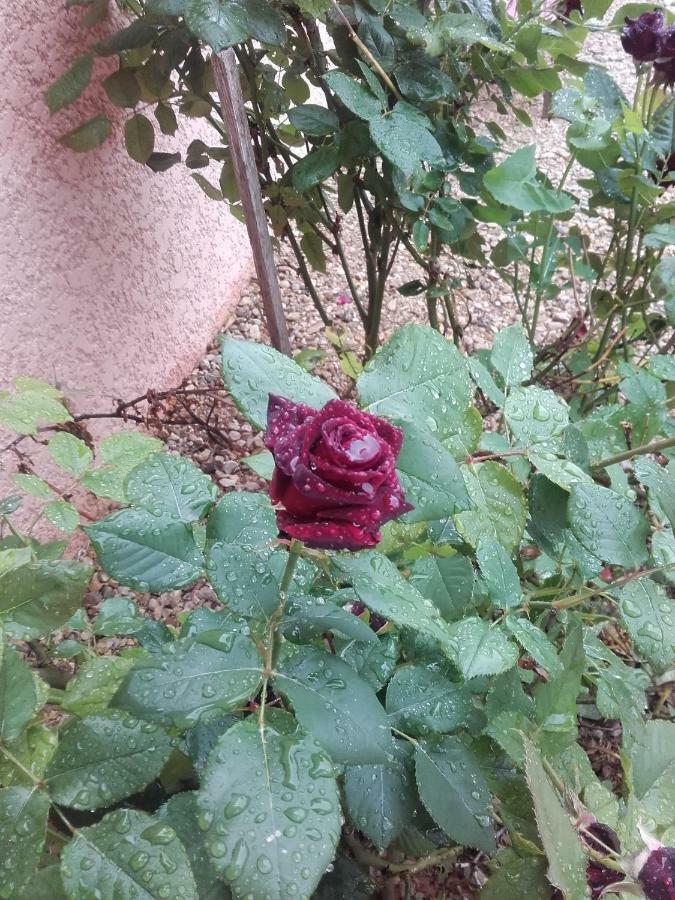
[640,37]
[657,875]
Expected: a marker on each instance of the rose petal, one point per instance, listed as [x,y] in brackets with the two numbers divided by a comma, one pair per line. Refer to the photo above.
[283,417]
[327,535]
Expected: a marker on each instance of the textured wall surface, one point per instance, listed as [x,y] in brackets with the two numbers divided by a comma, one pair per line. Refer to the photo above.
[112,278]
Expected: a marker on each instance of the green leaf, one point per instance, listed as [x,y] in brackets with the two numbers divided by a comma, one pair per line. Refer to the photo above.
[116,616]
[430,477]
[30,406]
[191,678]
[355,96]
[32,485]
[252,372]
[266,835]
[87,136]
[23,823]
[41,596]
[309,617]
[499,573]
[70,453]
[512,355]
[661,484]
[166,118]
[453,789]
[374,661]
[102,759]
[564,850]
[146,552]
[560,471]
[336,706]
[223,23]
[535,642]
[556,699]
[68,87]
[421,700]
[171,487]
[515,182]
[139,137]
[312,246]
[120,452]
[516,878]
[379,585]
[246,579]
[18,697]
[484,380]
[316,167]
[535,415]
[94,685]
[481,648]
[213,193]
[123,89]
[181,813]
[242,518]
[499,505]
[404,143]
[380,800]
[46,884]
[649,617]
[417,376]
[127,854]
[651,753]
[448,581]
[608,525]
[314,120]
[261,463]
[63,515]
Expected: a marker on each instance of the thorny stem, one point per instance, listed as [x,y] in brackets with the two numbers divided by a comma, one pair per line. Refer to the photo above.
[587,593]
[294,552]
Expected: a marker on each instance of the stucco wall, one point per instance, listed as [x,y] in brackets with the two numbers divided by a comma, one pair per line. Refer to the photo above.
[112,278]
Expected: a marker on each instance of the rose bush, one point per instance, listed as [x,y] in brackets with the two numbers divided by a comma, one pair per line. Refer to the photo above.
[334,474]
[373,711]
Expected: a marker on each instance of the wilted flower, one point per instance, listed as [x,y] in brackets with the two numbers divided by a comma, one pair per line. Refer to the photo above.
[664,66]
[334,480]
[640,37]
[342,299]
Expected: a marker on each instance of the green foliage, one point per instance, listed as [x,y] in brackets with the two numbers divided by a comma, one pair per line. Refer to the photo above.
[426,692]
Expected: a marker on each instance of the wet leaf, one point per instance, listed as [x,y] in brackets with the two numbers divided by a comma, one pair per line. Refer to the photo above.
[23,821]
[274,836]
[334,704]
[127,854]
[102,759]
[170,486]
[191,678]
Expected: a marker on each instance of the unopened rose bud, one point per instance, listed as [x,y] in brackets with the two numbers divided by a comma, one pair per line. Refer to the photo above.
[664,67]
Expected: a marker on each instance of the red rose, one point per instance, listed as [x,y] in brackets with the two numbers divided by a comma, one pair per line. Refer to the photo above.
[664,67]
[334,479]
[657,875]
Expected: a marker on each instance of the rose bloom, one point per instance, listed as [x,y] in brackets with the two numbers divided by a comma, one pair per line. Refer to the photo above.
[334,481]
[640,37]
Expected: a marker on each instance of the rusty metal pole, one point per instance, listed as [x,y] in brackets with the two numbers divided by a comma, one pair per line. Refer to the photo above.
[226,76]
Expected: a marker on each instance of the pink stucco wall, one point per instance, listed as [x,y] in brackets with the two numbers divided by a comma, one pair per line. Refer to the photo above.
[112,278]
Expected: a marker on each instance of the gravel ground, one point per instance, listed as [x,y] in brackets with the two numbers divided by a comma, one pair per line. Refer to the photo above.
[217,438]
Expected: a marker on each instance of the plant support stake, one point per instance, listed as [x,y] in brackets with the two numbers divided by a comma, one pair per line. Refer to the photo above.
[226,76]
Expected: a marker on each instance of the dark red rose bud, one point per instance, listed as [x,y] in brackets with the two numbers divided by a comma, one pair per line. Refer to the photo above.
[357,608]
[599,877]
[376,622]
[600,838]
[334,481]
[640,37]
[657,876]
